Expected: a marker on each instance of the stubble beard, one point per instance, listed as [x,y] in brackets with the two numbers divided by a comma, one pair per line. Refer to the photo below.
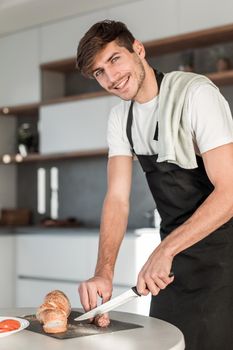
[140,78]
[140,74]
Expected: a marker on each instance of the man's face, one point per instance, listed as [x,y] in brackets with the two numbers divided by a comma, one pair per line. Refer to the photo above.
[119,71]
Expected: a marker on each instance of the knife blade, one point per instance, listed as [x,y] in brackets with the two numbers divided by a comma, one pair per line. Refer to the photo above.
[121,299]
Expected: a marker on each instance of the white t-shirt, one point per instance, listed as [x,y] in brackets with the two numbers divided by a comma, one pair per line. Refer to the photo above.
[209,117]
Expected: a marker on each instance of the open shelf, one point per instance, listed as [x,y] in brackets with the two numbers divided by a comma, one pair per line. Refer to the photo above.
[222,78]
[200,38]
[21,110]
[84,96]
[36,157]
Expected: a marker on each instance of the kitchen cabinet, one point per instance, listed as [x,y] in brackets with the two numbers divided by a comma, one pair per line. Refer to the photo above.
[7,174]
[19,69]
[196,15]
[61,261]
[7,275]
[60,114]
[75,126]
[152,25]
[65,35]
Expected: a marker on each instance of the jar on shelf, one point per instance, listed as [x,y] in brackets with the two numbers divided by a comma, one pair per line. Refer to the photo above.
[27,140]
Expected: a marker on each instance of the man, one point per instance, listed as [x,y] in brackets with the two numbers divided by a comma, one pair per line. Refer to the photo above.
[180,128]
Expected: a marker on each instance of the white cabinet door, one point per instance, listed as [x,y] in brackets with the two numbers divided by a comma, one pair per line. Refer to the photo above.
[7,275]
[62,257]
[196,15]
[19,68]
[80,125]
[30,293]
[8,174]
[148,19]
[60,40]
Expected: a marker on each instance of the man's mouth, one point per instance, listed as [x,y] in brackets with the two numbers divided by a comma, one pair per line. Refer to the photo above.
[121,84]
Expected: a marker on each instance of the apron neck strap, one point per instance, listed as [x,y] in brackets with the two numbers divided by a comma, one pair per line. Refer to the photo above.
[159,77]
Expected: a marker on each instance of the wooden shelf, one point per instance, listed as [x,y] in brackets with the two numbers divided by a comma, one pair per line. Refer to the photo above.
[21,110]
[33,109]
[35,157]
[200,38]
[222,78]
[62,66]
[85,96]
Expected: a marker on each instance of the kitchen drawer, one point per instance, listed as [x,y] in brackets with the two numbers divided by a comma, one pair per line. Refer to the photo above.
[72,257]
[67,257]
[30,293]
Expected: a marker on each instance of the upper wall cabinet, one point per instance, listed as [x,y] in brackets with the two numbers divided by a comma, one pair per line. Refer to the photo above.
[75,126]
[148,19]
[196,15]
[19,68]
[60,40]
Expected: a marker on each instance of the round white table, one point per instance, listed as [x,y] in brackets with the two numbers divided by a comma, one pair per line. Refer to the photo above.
[155,335]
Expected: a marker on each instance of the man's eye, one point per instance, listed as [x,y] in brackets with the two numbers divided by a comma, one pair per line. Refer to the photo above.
[114,59]
[98,73]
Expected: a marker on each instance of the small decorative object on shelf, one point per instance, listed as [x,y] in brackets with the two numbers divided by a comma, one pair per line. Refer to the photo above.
[187,62]
[223,64]
[27,140]
[221,58]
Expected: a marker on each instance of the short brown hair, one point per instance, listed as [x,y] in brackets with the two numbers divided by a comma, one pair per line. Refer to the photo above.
[96,38]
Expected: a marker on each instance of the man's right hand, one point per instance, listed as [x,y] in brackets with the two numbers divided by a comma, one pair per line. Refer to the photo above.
[90,290]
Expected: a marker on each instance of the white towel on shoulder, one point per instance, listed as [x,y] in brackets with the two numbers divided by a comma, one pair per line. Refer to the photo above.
[175,144]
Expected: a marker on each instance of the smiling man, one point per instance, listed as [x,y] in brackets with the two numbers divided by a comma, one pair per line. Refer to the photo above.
[180,128]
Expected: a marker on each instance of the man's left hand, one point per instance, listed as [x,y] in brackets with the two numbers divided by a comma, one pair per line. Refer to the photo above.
[154,275]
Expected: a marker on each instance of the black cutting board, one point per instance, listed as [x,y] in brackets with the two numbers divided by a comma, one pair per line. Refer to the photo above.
[79,329]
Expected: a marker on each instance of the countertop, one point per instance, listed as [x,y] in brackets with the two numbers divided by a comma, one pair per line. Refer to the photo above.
[155,335]
[6,230]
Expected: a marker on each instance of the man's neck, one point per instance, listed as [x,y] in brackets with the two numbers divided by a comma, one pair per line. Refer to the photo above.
[149,88]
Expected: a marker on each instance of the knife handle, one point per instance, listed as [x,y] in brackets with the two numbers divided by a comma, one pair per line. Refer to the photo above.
[134,289]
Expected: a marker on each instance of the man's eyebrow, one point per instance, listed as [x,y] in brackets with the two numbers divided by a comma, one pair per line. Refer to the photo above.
[108,60]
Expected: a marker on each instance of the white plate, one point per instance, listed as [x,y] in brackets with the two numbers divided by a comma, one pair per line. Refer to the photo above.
[23,324]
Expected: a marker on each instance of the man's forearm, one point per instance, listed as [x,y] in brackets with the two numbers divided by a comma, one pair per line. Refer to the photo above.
[214,212]
[113,226]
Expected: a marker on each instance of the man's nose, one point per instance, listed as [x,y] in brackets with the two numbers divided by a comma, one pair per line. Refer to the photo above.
[113,76]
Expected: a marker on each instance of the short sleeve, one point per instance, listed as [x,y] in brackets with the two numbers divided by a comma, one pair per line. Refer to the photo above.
[211,119]
[116,135]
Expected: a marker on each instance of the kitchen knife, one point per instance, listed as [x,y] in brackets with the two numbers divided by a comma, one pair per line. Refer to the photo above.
[111,304]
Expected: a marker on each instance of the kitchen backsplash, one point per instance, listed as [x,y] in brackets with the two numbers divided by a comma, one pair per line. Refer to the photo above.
[82,187]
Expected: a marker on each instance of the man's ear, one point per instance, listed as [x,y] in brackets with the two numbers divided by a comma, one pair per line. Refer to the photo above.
[139,48]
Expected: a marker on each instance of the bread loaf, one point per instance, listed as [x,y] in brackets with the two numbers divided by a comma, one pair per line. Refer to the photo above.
[54,312]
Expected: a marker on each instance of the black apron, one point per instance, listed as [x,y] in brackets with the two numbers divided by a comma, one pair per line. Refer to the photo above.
[200,300]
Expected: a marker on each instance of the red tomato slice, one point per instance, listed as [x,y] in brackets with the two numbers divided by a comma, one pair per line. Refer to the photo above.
[9,325]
